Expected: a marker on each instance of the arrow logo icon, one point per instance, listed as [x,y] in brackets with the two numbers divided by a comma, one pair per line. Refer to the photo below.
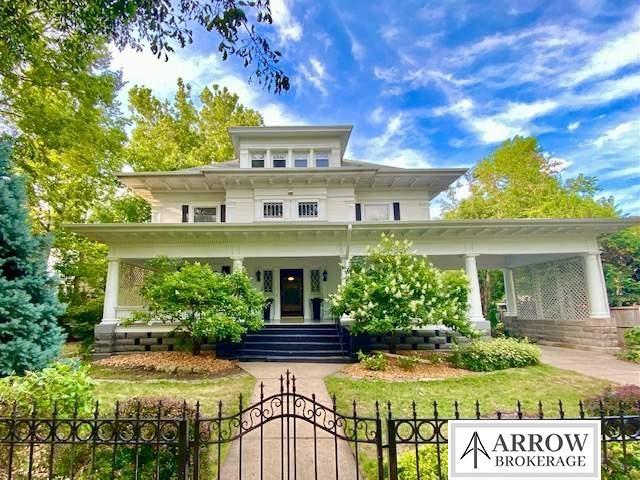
[475,446]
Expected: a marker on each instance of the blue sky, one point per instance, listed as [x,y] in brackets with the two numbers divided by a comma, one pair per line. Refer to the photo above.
[441,84]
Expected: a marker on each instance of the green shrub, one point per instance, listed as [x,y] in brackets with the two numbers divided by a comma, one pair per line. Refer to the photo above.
[427,463]
[407,362]
[631,345]
[623,399]
[65,384]
[613,467]
[495,354]
[375,361]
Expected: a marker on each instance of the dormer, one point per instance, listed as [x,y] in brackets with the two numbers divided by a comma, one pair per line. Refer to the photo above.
[301,147]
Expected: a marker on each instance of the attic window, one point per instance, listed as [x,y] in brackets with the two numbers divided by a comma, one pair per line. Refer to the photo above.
[257,160]
[301,160]
[279,160]
[322,160]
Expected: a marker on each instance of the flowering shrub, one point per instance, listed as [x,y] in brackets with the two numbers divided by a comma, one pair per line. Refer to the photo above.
[375,361]
[623,399]
[495,354]
[393,290]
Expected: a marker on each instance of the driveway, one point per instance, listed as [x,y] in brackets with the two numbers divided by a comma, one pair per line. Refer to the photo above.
[594,364]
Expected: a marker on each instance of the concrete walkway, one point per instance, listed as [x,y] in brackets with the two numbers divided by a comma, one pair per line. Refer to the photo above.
[594,364]
[309,380]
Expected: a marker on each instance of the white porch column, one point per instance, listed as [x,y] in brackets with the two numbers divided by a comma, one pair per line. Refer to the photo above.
[510,292]
[237,264]
[596,287]
[475,301]
[111,291]
[344,267]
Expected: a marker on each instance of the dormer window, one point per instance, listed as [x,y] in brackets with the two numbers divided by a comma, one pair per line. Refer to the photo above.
[204,215]
[279,160]
[322,159]
[257,160]
[301,160]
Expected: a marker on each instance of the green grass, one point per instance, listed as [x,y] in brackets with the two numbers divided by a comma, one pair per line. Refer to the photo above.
[495,391]
[117,385]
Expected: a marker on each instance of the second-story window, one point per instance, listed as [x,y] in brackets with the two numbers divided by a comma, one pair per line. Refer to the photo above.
[204,215]
[272,210]
[279,160]
[300,160]
[307,209]
[322,159]
[257,160]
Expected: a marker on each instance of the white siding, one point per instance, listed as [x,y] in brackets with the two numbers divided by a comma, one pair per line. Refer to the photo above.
[169,204]
[414,204]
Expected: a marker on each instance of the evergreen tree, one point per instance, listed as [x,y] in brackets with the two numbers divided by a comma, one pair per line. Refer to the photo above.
[29,333]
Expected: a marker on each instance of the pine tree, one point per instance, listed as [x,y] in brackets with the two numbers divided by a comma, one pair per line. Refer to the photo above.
[29,333]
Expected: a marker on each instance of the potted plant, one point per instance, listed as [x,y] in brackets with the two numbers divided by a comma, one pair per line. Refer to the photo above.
[267,309]
[316,307]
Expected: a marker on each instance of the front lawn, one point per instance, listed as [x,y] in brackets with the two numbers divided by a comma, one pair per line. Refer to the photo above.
[495,391]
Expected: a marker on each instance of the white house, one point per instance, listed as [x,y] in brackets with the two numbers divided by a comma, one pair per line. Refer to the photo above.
[292,211]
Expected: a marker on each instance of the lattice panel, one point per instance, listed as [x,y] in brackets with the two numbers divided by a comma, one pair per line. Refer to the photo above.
[131,278]
[267,281]
[552,291]
[315,281]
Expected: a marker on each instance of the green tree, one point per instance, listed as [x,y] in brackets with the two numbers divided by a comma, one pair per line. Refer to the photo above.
[61,32]
[517,180]
[29,334]
[621,262]
[393,290]
[203,303]
[173,135]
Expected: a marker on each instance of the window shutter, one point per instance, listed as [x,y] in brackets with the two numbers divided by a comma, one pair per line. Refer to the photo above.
[185,213]
[396,210]
[223,213]
[358,212]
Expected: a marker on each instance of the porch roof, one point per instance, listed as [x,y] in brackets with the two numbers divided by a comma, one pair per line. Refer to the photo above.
[114,233]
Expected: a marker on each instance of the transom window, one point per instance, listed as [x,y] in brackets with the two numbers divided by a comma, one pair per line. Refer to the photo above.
[322,160]
[272,210]
[204,214]
[279,160]
[257,160]
[307,209]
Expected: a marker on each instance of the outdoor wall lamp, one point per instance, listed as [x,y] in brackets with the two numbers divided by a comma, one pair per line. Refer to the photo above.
[324,276]
[258,273]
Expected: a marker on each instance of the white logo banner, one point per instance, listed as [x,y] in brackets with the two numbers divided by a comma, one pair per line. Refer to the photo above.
[524,449]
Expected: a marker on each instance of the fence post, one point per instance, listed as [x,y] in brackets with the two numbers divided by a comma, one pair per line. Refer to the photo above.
[183,449]
[393,453]
[379,449]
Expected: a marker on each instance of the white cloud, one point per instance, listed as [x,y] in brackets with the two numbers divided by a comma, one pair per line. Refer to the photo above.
[288,28]
[389,32]
[357,49]
[614,55]
[142,68]
[377,115]
[619,133]
[573,126]
[316,74]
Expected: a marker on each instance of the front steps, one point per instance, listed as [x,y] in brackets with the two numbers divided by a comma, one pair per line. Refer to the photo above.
[296,343]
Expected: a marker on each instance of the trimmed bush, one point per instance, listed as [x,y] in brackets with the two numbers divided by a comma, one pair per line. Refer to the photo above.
[375,361]
[427,463]
[407,362]
[495,354]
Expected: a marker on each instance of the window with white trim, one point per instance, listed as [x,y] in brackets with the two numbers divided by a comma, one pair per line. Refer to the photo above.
[376,211]
[300,159]
[322,159]
[204,214]
[272,209]
[307,209]
[279,160]
[267,283]
[257,160]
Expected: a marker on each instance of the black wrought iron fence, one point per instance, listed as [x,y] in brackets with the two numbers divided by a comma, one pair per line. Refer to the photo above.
[284,435]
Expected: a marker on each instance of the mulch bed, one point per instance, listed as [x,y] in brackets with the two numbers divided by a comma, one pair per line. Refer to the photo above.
[421,371]
[171,362]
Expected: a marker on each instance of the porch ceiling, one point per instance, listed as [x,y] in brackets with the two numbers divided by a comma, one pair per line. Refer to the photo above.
[163,233]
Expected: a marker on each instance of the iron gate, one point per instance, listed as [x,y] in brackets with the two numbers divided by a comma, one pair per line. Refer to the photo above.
[283,435]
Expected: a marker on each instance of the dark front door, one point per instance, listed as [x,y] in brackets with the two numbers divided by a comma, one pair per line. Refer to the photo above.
[291,293]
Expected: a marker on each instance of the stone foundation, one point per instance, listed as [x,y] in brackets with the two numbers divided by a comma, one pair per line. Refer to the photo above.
[432,339]
[594,334]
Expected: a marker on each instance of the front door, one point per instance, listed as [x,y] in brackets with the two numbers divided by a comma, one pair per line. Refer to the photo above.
[291,293]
